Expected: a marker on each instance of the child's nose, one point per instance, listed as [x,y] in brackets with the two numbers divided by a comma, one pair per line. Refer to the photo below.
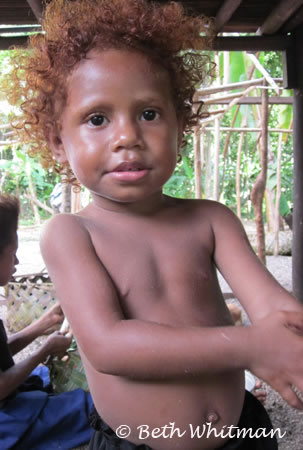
[16,260]
[127,135]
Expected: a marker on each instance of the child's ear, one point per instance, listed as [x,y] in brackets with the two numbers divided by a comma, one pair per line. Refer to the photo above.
[57,147]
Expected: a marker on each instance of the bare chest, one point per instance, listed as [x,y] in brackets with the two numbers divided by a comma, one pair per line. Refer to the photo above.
[163,275]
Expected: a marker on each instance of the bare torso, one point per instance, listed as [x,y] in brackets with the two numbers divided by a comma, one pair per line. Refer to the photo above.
[162,268]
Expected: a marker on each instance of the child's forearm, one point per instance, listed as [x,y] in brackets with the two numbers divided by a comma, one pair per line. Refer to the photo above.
[13,377]
[280,300]
[272,349]
[146,350]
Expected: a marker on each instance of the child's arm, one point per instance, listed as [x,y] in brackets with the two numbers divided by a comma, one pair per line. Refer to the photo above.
[12,378]
[253,285]
[44,325]
[267,303]
[147,350]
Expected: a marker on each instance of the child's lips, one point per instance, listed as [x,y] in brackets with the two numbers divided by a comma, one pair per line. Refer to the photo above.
[129,171]
[129,175]
[127,166]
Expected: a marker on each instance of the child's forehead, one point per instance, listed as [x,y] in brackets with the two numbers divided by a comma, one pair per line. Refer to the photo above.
[120,58]
[121,66]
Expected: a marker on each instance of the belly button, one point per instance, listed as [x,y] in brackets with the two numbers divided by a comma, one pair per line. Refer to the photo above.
[212,417]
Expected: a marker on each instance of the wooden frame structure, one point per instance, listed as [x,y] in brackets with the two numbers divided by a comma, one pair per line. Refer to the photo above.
[268,25]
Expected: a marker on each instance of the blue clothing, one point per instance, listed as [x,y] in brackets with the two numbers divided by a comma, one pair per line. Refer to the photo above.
[37,420]
[34,419]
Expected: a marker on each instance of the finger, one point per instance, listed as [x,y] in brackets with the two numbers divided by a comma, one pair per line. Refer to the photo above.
[260,395]
[293,319]
[291,397]
[258,384]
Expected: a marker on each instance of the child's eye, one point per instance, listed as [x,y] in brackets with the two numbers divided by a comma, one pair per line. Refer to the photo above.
[97,120]
[150,114]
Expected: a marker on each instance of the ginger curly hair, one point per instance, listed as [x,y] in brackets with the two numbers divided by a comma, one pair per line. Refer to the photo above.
[72,28]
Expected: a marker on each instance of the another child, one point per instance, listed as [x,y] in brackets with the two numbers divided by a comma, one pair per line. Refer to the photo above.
[31,417]
[109,90]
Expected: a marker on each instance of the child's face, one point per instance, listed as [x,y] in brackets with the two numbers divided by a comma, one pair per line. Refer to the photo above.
[119,129]
[8,261]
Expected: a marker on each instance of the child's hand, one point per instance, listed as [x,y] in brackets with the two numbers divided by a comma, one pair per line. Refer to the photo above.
[277,355]
[57,344]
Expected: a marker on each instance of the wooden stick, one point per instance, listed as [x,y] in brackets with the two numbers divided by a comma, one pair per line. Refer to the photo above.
[251,130]
[264,72]
[231,104]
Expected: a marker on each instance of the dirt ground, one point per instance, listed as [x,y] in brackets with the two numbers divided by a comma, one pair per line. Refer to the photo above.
[288,420]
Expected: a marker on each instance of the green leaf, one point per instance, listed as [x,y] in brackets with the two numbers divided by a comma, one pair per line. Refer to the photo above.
[188,170]
[21,155]
[284,207]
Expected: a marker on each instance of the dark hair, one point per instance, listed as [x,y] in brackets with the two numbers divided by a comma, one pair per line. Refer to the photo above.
[9,214]
[71,28]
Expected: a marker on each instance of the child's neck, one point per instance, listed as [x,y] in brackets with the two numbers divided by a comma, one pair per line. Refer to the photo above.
[145,207]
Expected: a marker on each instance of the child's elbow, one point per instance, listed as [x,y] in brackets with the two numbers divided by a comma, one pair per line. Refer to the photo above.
[107,362]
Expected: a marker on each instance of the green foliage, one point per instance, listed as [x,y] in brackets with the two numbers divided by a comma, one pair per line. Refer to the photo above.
[14,161]
[15,172]
[182,184]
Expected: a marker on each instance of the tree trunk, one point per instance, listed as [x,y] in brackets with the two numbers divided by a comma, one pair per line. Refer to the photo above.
[32,192]
[4,175]
[66,206]
[270,209]
[258,188]
[238,167]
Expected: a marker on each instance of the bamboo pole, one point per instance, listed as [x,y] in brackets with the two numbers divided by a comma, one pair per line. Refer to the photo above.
[213,100]
[227,138]
[7,143]
[230,87]
[264,72]
[40,204]
[76,201]
[202,156]
[278,196]
[197,164]
[217,159]
[229,106]
[208,161]
[251,130]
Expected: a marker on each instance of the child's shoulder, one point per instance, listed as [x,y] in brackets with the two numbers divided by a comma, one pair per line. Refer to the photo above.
[62,228]
[203,206]
[209,212]
[61,221]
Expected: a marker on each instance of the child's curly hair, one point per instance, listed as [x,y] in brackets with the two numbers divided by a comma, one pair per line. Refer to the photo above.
[71,28]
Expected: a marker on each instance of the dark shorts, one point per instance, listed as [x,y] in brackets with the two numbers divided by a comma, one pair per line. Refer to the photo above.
[253,417]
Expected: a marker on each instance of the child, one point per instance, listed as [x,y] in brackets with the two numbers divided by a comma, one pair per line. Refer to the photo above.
[31,418]
[109,90]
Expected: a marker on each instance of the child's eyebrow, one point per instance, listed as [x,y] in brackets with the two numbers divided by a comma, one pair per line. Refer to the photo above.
[97,103]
